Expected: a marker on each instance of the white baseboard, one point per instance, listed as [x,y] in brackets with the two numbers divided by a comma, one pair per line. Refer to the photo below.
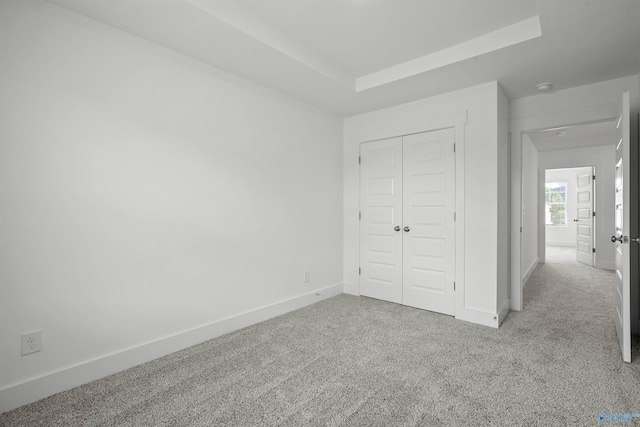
[478,317]
[606,265]
[493,320]
[529,272]
[38,388]
[564,244]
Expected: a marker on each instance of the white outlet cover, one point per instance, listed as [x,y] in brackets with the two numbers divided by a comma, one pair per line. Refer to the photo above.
[31,342]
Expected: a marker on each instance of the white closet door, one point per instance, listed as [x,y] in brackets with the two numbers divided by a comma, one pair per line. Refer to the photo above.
[381,221]
[428,221]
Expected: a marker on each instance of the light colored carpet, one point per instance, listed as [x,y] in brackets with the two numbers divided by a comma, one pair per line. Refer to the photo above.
[555,254]
[358,361]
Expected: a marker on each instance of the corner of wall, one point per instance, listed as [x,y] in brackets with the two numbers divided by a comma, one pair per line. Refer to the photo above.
[529,272]
[503,311]
[483,318]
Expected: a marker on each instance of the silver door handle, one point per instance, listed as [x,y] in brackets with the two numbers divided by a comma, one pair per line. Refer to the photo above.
[635,239]
[397,228]
[407,229]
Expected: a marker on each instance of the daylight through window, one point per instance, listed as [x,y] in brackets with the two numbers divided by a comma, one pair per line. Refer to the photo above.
[556,203]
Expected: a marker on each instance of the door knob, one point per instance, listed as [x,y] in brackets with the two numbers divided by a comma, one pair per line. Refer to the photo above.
[621,239]
[407,229]
[397,228]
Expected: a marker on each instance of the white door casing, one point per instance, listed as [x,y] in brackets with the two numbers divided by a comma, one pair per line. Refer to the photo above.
[407,228]
[381,212]
[429,227]
[584,217]
[621,236]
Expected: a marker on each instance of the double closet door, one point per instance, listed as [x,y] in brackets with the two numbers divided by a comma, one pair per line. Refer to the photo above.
[407,224]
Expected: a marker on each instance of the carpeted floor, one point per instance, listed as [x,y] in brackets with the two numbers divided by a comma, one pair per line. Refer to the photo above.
[358,361]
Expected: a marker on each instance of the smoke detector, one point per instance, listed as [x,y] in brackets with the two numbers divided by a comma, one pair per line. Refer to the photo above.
[542,87]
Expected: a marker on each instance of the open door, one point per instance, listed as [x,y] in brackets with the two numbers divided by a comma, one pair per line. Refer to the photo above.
[584,218]
[622,225]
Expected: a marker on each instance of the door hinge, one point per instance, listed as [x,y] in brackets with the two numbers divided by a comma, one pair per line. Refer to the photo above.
[521,229]
[594,213]
[359,271]
[594,177]
[359,159]
[454,147]
[594,250]
[359,215]
[454,286]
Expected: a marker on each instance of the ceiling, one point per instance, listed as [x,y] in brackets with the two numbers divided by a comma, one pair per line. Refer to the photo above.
[353,56]
[578,136]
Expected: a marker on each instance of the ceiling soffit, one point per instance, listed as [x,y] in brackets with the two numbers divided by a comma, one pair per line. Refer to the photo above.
[272,37]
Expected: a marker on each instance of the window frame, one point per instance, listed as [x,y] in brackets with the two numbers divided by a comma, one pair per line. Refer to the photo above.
[548,203]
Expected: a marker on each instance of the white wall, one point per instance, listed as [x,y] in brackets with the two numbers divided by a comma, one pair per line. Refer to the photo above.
[582,104]
[564,235]
[477,144]
[144,196]
[530,189]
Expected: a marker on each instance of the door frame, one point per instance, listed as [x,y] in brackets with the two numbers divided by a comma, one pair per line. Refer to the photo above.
[458,122]
[542,227]
[518,128]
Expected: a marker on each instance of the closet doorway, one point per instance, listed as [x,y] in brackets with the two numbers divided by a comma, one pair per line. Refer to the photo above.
[407,224]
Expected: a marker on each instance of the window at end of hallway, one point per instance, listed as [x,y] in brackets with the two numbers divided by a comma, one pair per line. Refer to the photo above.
[556,203]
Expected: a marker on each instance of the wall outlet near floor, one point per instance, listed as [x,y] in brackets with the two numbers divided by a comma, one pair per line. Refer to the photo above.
[307,276]
[31,342]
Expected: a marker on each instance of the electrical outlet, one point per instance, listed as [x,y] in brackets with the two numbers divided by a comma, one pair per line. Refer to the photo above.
[31,342]
[307,276]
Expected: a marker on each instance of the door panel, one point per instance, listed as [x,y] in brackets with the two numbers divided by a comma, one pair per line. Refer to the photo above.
[381,211]
[428,208]
[584,204]
[622,225]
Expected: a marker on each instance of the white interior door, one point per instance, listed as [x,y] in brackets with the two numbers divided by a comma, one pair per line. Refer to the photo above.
[585,229]
[381,219]
[428,221]
[621,237]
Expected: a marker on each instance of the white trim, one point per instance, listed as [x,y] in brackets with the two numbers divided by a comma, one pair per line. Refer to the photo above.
[510,35]
[457,121]
[564,244]
[460,138]
[529,272]
[479,317]
[38,388]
